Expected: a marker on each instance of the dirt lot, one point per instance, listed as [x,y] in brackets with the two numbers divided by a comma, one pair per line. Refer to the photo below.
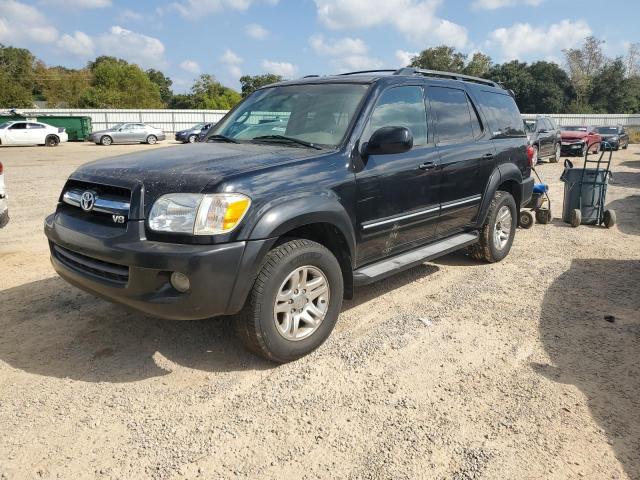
[514,373]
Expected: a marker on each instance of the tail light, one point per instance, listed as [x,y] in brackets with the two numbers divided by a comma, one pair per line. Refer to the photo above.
[530,153]
[60,130]
[1,168]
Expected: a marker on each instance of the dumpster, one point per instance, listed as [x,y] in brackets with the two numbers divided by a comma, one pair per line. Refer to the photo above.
[77,127]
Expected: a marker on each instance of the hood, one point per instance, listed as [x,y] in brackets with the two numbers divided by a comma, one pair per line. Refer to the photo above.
[571,135]
[605,136]
[188,168]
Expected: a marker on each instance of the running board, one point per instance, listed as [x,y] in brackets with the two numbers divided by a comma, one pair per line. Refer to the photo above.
[384,268]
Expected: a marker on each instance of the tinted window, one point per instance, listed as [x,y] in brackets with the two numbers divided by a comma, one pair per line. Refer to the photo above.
[400,107]
[503,114]
[18,126]
[476,124]
[453,118]
[36,125]
[552,123]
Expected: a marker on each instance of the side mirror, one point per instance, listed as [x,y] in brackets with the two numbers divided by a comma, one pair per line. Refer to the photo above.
[389,140]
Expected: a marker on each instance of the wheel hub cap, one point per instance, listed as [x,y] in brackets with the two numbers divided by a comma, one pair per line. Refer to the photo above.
[301,303]
[502,230]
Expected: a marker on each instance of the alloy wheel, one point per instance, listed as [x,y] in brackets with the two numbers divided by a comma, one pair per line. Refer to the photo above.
[502,229]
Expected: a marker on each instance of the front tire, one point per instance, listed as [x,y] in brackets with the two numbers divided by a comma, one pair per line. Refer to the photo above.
[556,154]
[294,303]
[498,231]
[152,139]
[192,138]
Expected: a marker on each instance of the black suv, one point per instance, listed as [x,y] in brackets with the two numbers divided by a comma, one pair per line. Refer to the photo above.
[613,137]
[303,191]
[544,136]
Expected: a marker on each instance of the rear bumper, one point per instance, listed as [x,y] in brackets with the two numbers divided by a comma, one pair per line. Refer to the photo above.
[130,270]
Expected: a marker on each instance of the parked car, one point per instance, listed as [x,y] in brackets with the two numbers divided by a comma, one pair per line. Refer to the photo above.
[577,140]
[190,135]
[31,133]
[4,207]
[613,137]
[277,222]
[128,133]
[205,130]
[545,138]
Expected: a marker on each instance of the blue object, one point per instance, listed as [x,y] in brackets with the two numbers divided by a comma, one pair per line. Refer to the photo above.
[540,188]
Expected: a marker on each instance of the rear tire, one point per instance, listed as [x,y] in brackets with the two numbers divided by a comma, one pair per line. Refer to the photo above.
[498,231]
[609,218]
[266,325]
[51,141]
[106,140]
[152,139]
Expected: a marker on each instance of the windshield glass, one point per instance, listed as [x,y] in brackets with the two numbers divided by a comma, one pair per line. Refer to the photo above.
[574,129]
[5,125]
[116,126]
[317,113]
[198,126]
[606,130]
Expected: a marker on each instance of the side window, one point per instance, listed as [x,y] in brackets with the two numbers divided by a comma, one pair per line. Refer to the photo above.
[503,114]
[18,126]
[476,124]
[453,118]
[35,126]
[552,123]
[400,107]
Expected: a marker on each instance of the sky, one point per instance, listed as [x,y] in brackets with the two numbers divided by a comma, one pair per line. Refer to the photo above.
[230,38]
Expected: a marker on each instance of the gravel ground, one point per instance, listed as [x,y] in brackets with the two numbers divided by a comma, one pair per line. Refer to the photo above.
[453,370]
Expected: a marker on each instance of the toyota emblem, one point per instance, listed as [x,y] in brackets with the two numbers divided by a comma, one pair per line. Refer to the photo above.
[88,201]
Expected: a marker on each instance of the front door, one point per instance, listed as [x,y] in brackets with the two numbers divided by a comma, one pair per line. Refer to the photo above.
[397,202]
[467,156]
[17,134]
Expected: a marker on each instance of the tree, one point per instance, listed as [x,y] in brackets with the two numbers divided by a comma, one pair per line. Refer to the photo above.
[440,58]
[119,84]
[478,66]
[17,77]
[208,93]
[582,64]
[62,87]
[164,84]
[12,94]
[611,90]
[633,60]
[515,76]
[551,90]
[250,83]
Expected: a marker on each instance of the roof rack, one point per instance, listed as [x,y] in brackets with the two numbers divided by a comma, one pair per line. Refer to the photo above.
[368,71]
[439,74]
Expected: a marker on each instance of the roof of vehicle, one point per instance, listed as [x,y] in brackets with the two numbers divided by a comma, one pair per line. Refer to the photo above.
[371,76]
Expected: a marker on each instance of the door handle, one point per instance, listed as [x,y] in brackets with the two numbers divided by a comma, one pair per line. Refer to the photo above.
[488,156]
[427,166]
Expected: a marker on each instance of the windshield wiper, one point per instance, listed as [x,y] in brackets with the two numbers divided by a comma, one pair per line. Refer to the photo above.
[284,138]
[222,138]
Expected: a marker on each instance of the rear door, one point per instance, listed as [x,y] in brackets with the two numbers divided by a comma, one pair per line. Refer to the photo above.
[397,201]
[17,134]
[36,133]
[466,156]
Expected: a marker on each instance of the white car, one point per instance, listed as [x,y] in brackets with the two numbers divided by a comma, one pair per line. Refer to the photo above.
[4,208]
[31,133]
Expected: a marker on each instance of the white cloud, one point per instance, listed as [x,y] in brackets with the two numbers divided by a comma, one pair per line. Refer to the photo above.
[79,44]
[342,46]
[416,19]
[495,4]
[132,46]
[256,31]
[190,66]
[229,57]
[522,40]
[194,9]
[358,62]
[21,23]
[404,57]
[129,15]
[78,3]
[285,69]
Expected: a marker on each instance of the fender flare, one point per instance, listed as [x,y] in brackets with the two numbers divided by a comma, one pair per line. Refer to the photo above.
[502,173]
[292,212]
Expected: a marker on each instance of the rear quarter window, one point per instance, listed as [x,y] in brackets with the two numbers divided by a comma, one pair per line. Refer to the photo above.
[502,114]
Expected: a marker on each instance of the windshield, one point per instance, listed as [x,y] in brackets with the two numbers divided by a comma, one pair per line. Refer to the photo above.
[607,130]
[5,125]
[198,126]
[318,113]
[530,125]
[116,126]
[574,129]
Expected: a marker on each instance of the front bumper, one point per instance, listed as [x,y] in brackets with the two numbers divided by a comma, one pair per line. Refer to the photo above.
[126,268]
[607,144]
[572,148]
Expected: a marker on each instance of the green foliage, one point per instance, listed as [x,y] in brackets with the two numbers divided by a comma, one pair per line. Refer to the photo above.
[440,58]
[208,93]
[62,87]
[119,84]
[250,83]
[12,94]
[612,91]
[17,78]
[164,84]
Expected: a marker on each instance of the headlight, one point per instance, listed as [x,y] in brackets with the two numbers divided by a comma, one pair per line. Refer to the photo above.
[614,139]
[198,214]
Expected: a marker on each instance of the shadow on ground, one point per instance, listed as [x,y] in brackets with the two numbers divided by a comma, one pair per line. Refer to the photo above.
[598,357]
[631,163]
[50,328]
[627,213]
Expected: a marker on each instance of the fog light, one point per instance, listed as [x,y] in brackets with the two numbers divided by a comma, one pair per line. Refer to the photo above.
[180,282]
